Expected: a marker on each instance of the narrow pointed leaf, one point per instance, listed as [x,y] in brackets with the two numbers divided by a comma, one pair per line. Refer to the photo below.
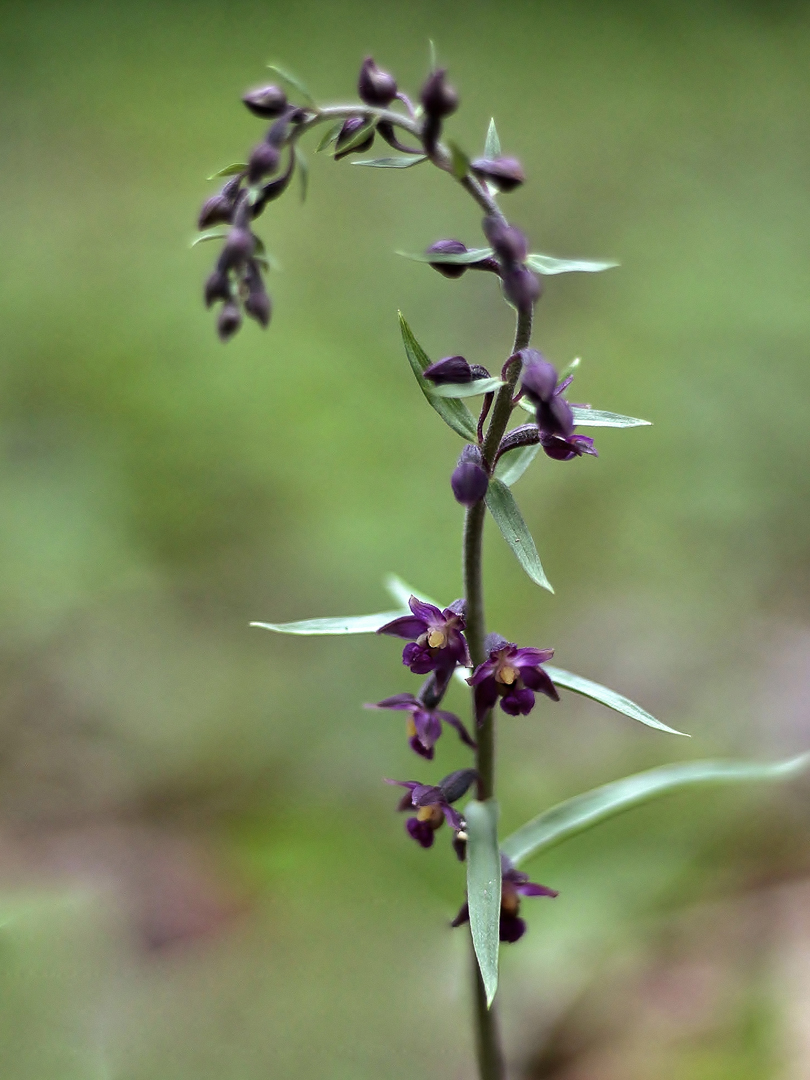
[473,255]
[460,163]
[585,417]
[351,624]
[303,171]
[569,369]
[393,162]
[465,390]
[401,592]
[432,54]
[514,463]
[293,81]
[501,504]
[330,136]
[584,811]
[454,413]
[492,145]
[484,888]
[546,264]
[568,681]
[229,170]
[218,233]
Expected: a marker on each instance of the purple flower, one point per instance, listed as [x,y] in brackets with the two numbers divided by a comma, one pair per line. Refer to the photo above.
[514,884]
[514,675]
[539,384]
[437,643]
[433,804]
[424,724]
[565,449]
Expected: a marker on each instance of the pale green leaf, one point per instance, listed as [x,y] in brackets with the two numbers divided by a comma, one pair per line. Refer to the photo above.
[463,259]
[217,233]
[229,170]
[585,417]
[303,171]
[584,811]
[351,624]
[330,136]
[432,54]
[465,390]
[484,888]
[568,681]
[492,144]
[293,81]
[545,264]
[401,591]
[454,413]
[501,504]
[393,162]
[514,463]
[459,162]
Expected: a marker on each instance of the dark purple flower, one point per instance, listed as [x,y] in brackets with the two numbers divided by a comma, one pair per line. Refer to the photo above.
[509,243]
[449,247]
[350,128]
[521,287]
[424,724]
[437,640]
[504,173]
[469,480]
[565,449]
[439,99]
[514,675]
[229,321]
[257,302]
[432,804]
[266,102]
[263,162]
[514,884]
[452,369]
[375,86]
[539,384]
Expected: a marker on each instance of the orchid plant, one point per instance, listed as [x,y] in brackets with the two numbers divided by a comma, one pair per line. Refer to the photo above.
[452,642]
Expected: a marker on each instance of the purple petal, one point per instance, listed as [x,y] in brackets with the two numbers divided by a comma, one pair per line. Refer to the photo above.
[420,831]
[419,659]
[530,657]
[564,384]
[405,627]
[482,672]
[409,784]
[512,928]
[453,817]
[458,607]
[532,889]
[427,613]
[419,748]
[538,680]
[494,643]
[428,726]
[539,378]
[463,915]
[454,721]
[518,702]
[452,369]
[486,694]
[427,795]
[398,701]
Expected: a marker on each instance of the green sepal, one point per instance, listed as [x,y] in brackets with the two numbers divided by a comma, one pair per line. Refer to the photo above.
[454,413]
[501,504]
[582,812]
[484,888]
[492,144]
[605,696]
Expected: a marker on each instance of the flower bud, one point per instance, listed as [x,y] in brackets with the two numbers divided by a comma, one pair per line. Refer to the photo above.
[375,86]
[448,247]
[230,319]
[509,243]
[347,133]
[217,287]
[521,287]
[268,101]
[238,247]
[452,369]
[439,99]
[257,302]
[503,173]
[469,480]
[457,784]
[263,161]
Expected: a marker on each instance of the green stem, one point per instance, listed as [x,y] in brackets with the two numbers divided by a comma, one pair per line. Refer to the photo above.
[487,1031]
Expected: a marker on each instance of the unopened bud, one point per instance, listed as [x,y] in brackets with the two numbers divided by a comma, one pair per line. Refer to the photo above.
[503,173]
[439,99]
[469,480]
[215,211]
[217,287]
[263,161]
[230,319]
[448,247]
[238,247]
[457,784]
[268,101]
[257,302]
[509,243]
[375,86]
[522,287]
[347,133]
[452,369]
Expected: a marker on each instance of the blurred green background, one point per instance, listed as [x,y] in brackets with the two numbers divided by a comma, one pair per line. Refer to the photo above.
[201,874]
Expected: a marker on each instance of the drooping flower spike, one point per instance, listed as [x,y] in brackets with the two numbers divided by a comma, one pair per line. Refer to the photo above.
[424,723]
[432,804]
[514,884]
[437,642]
[514,675]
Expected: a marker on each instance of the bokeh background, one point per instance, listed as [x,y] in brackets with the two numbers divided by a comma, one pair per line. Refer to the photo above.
[201,874]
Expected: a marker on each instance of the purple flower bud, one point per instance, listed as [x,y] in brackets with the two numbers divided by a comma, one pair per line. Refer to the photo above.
[375,86]
[215,211]
[504,173]
[268,101]
[452,369]
[439,99]
[217,287]
[469,480]
[347,133]
[565,449]
[457,784]
[521,287]
[239,246]
[448,247]
[257,302]
[263,162]
[539,384]
[230,319]
[509,243]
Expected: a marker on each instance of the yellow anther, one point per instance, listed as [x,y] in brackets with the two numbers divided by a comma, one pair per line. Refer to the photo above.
[436,639]
[411,727]
[431,814]
[507,675]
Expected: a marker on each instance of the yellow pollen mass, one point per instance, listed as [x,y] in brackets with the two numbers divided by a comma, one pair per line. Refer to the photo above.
[431,814]
[411,727]
[436,639]
[507,675]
